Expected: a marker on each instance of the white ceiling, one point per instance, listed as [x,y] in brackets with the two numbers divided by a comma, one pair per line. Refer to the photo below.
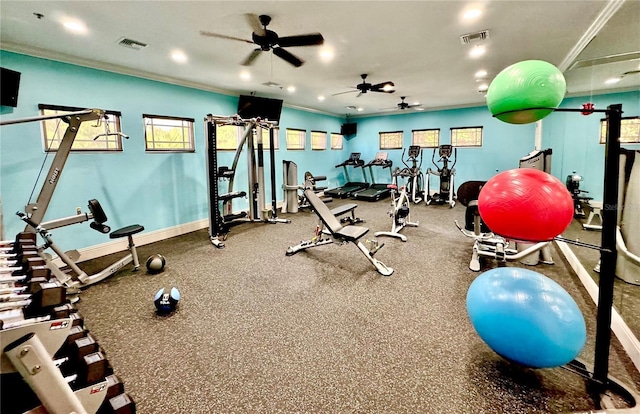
[415,44]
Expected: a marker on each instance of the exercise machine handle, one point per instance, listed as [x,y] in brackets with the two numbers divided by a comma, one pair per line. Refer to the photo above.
[433,161]
[102,228]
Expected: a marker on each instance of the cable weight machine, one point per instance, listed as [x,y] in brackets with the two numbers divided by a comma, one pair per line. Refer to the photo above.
[221,216]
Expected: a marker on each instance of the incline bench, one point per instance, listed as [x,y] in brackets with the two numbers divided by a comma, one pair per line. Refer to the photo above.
[338,232]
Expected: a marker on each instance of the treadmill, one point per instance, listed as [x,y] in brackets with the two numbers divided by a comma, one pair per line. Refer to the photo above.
[350,187]
[380,191]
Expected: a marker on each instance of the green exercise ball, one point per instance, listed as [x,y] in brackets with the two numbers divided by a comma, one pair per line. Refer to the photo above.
[520,88]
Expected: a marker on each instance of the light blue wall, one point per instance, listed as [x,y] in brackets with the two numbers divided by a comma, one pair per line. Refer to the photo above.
[575,138]
[164,190]
[157,190]
[503,144]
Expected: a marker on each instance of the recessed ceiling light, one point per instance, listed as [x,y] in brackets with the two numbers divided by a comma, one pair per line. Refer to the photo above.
[472,13]
[321,98]
[611,81]
[75,26]
[326,54]
[481,74]
[291,89]
[178,56]
[360,109]
[244,75]
[419,109]
[477,51]
[416,103]
[351,107]
[483,87]
[388,87]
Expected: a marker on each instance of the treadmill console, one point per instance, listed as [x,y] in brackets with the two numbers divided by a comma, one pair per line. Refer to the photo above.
[354,157]
[381,160]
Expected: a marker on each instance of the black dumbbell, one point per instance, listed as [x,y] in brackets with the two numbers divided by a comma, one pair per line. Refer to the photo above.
[120,404]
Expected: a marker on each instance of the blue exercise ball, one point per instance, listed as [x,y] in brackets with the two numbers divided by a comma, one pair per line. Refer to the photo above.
[525,317]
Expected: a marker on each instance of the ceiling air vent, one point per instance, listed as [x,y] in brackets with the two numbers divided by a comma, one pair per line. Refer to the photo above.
[474,37]
[131,44]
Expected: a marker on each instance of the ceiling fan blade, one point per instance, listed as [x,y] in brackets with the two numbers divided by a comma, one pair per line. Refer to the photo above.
[388,87]
[221,36]
[256,25]
[342,93]
[280,52]
[248,61]
[310,39]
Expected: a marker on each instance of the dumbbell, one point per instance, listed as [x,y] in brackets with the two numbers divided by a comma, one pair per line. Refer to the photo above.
[23,266]
[21,239]
[21,263]
[37,298]
[86,370]
[120,404]
[22,308]
[15,258]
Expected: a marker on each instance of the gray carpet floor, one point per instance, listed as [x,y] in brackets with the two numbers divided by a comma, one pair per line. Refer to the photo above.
[321,331]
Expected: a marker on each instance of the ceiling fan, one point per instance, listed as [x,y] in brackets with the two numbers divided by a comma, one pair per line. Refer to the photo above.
[364,87]
[269,40]
[404,105]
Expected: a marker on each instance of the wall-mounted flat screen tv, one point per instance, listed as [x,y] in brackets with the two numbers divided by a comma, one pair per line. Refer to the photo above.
[264,108]
[9,86]
[349,129]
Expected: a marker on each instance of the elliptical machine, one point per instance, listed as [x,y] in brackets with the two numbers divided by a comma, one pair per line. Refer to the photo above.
[413,174]
[445,194]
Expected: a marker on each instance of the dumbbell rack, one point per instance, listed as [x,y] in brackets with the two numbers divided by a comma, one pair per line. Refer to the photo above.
[49,361]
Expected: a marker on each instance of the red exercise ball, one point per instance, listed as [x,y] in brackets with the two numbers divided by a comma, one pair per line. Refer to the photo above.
[526,204]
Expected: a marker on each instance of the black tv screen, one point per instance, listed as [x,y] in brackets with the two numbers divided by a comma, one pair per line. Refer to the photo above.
[9,86]
[264,108]
[349,129]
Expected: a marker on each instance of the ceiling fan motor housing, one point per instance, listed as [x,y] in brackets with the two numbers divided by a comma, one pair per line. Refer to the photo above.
[267,41]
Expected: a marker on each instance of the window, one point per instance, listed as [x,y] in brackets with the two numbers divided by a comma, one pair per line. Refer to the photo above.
[318,140]
[228,136]
[265,139]
[391,140]
[92,136]
[426,138]
[336,141]
[295,139]
[629,130]
[168,133]
[466,137]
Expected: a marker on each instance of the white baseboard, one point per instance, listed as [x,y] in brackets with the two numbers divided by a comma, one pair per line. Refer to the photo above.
[628,340]
[141,239]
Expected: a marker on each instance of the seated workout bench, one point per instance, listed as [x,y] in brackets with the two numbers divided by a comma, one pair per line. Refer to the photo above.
[338,233]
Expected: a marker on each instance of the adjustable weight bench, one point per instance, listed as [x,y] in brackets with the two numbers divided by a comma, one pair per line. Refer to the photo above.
[344,209]
[338,233]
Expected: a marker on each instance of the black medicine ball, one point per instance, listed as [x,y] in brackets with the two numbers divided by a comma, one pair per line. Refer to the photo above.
[166,300]
[156,263]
